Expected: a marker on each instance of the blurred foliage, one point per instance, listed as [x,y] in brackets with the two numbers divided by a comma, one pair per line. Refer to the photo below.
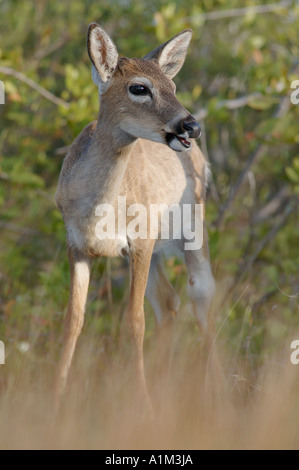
[256,266]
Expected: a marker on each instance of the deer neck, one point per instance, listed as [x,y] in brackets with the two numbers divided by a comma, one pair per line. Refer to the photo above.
[109,151]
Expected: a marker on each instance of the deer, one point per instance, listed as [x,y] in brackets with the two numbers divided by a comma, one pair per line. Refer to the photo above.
[143,147]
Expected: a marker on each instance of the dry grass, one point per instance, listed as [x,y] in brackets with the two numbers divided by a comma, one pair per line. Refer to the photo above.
[197,406]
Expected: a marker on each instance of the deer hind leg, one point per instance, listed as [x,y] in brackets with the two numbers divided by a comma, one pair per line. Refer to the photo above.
[160,293]
[80,266]
[201,285]
[139,268]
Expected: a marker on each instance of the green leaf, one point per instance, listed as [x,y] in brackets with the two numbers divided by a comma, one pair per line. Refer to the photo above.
[262,103]
[292,174]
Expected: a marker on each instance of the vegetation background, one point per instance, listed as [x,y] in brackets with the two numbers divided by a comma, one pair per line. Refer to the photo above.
[237,80]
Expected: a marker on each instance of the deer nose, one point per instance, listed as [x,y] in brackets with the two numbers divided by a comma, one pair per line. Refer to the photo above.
[193,128]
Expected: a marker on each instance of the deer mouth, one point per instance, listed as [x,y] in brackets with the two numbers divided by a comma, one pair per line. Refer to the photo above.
[175,141]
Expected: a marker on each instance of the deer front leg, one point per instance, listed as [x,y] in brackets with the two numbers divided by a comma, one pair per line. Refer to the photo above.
[80,266]
[139,269]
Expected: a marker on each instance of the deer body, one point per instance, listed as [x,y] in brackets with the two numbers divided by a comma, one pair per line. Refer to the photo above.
[142,165]
[138,149]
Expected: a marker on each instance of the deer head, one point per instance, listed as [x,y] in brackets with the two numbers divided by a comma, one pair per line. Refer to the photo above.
[138,95]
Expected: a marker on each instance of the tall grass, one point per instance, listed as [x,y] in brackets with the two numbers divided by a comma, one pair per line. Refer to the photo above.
[204,396]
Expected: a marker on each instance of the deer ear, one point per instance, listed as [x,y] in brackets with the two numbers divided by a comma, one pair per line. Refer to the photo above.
[171,55]
[103,55]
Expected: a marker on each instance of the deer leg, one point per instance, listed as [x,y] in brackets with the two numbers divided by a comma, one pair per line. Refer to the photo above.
[80,273]
[139,269]
[201,289]
[201,285]
[160,293]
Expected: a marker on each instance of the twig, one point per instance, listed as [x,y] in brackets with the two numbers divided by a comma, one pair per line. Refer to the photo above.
[293,297]
[35,86]
[239,102]
[235,12]
[17,229]
[236,187]
[62,150]
[243,269]
[253,158]
[40,54]
[274,206]
[267,238]
[263,299]
[222,324]
[204,148]
[229,104]
[4,176]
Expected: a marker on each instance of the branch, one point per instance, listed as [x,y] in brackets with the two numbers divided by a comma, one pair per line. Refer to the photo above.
[62,150]
[51,47]
[18,229]
[244,268]
[235,12]
[274,206]
[253,158]
[236,188]
[204,149]
[4,176]
[229,104]
[264,298]
[267,238]
[35,86]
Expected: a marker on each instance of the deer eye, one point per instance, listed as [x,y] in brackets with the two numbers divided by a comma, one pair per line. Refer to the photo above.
[138,89]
